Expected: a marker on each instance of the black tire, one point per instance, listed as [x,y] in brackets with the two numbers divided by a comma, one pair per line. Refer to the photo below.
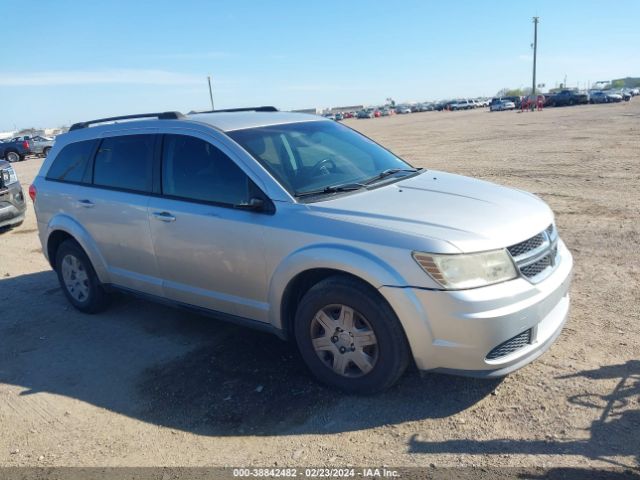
[393,354]
[97,298]
[45,151]
[12,156]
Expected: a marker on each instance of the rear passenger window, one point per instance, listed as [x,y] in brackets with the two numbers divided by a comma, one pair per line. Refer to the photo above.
[71,163]
[196,170]
[125,163]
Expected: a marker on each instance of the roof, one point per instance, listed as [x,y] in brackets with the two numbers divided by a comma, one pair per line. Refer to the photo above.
[229,121]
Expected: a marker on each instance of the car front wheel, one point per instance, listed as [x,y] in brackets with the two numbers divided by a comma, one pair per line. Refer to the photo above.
[349,337]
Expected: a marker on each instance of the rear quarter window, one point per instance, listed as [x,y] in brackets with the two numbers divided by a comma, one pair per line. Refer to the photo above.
[71,163]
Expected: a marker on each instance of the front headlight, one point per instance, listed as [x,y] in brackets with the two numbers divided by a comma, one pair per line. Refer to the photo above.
[8,176]
[459,271]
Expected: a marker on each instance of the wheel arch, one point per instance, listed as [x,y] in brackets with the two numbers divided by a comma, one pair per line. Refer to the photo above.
[11,150]
[63,227]
[305,268]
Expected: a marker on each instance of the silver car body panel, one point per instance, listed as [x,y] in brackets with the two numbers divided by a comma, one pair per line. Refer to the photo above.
[240,262]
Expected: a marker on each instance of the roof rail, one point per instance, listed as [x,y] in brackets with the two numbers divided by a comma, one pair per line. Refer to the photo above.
[264,108]
[159,116]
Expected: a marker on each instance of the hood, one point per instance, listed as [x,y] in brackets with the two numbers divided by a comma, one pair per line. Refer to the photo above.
[471,215]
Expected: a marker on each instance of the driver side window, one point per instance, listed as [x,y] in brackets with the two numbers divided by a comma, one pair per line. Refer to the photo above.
[193,169]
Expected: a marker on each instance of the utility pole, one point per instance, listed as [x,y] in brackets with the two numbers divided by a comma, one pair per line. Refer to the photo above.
[535,51]
[210,92]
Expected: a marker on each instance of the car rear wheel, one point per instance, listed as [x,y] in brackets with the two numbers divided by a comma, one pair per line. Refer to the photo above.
[78,279]
[12,157]
[349,337]
[45,151]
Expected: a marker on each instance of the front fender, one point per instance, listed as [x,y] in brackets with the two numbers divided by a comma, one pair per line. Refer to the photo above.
[354,261]
[67,224]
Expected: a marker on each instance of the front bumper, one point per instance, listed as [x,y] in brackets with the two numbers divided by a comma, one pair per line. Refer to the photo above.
[454,331]
[12,206]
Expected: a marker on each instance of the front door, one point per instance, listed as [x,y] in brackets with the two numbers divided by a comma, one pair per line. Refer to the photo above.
[209,253]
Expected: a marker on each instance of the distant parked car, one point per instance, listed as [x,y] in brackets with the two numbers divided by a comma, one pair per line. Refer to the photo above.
[41,145]
[462,104]
[598,96]
[501,104]
[548,99]
[338,116]
[570,97]
[403,109]
[385,112]
[517,100]
[16,149]
[613,96]
[365,114]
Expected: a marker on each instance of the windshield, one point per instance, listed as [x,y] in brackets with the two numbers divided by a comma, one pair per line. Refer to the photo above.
[312,156]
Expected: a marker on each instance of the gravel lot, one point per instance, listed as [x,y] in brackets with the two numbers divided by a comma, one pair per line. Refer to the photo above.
[147,385]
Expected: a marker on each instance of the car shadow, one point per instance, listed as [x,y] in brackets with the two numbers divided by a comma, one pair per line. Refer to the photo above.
[183,371]
[609,433]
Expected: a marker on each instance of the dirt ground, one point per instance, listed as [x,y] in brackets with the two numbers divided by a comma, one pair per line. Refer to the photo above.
[147,385]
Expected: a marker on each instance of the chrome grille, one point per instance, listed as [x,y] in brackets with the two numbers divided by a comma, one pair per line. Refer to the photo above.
[526,246]
[536,256]
[515,343]
[539,266]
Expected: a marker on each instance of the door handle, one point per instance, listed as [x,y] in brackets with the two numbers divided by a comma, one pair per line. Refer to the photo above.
[164,216]
[86,203]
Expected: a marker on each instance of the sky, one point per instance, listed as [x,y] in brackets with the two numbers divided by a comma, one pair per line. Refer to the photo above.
[63,61]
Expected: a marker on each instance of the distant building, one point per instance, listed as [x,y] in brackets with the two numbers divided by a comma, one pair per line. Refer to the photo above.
[32,132]
[52,132]
[330,110]
[349,108]
[313,111]
[9,134]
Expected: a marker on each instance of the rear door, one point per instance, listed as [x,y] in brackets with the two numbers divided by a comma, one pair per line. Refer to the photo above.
[114,209]
[209,252]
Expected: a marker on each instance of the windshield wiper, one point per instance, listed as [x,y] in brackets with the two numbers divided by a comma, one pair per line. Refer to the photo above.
[390,171]
[345,187]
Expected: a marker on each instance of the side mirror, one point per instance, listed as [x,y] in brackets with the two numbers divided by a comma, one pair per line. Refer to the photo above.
[255,204]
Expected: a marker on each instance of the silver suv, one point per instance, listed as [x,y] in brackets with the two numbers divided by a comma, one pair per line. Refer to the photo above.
[301,226]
